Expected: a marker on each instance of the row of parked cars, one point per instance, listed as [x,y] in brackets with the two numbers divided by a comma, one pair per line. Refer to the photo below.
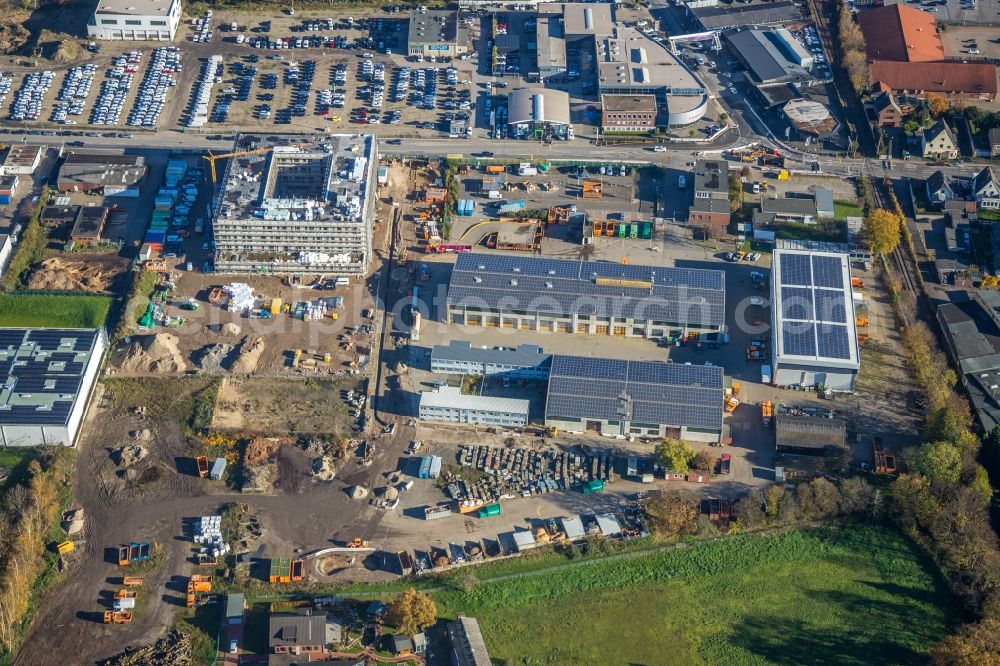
[202,28]
[72,96]
[27,104]
[107,109]
[6,82]
[152,93]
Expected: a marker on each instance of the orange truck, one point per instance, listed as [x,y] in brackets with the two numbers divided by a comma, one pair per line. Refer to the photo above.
[132,581]
[766,412]
[117,617]
[125,593]
[197,584]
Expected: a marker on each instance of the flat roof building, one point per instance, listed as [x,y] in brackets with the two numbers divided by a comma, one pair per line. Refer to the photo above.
[46,378]
[140,20]
[630,63]
[460,357]
[467,645]
[448,403]
[814,338]
[22,159]
[628,113]
[757,13]
[645,398]
[588,297]
[298,209]
[103,173]
[436,32]
[89,224]
[544,111]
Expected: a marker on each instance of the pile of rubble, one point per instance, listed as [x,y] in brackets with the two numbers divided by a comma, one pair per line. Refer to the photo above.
[509,472]
[72,522]
[212,358]
[174,649]
[323,468]
[128,454]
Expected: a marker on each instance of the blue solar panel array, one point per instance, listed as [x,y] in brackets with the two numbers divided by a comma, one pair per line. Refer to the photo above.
[670,394]
[560,287]
[42,373]
[814,308]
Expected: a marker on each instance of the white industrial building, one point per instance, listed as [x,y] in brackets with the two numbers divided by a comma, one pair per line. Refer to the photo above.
[135,20]
[48,375]
[448,403]
[461,358]
[814,337]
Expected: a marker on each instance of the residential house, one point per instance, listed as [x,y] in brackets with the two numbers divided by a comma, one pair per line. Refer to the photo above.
[986,189]
[994,139]
[887,112]
[790,209]
[291,633]
[402,645]
[939,142]
[938,187]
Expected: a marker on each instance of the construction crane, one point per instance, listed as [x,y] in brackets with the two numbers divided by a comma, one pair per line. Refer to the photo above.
[211,157]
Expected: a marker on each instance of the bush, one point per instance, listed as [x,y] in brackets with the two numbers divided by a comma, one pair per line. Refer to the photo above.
[30,248]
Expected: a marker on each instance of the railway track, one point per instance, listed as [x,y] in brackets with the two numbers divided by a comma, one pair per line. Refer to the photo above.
[899,259]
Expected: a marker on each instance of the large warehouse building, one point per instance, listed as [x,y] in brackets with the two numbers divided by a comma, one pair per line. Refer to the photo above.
[295,209]
[47,375]
[638,398]
[539,112]
[815,341]
[590,297]
[135,20]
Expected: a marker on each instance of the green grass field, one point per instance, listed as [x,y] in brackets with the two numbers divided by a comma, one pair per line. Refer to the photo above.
[847,595]
[843,209]
[57,311]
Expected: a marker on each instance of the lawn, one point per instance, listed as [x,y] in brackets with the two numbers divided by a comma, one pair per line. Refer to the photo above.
[843,209]
[850,595]
[54,310]
[828,231]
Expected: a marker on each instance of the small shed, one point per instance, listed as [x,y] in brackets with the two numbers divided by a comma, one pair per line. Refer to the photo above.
[402,645]
[419,643]
[8,185]
[573,528]
[235,605]
[608,524]
[524,541]
[824,203]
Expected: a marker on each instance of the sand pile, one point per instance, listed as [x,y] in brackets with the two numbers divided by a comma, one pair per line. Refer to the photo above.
[358,492]
[230,329]
[249,357]
[323,469]
[154,353]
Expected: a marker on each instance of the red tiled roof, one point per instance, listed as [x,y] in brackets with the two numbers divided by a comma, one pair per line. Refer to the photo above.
[901,33]
[942,77]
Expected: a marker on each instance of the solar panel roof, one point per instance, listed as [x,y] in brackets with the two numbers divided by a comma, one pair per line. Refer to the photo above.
[41,371]
[651,392]
[561,287]
[814,311]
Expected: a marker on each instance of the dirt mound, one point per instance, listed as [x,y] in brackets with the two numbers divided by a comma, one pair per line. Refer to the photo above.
[12,36]
[129,454]
[95,274]
[154,353]
[250,353]
[262,449]
[230,328]
[175,649]
[323,468]
[213,357]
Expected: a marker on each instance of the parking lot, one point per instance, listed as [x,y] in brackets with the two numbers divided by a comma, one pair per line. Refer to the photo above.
[961,11]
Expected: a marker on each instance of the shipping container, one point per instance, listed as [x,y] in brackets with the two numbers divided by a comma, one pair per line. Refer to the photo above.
[594,486]
[218,469]
[439,511]
[435,468]
[425,468]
